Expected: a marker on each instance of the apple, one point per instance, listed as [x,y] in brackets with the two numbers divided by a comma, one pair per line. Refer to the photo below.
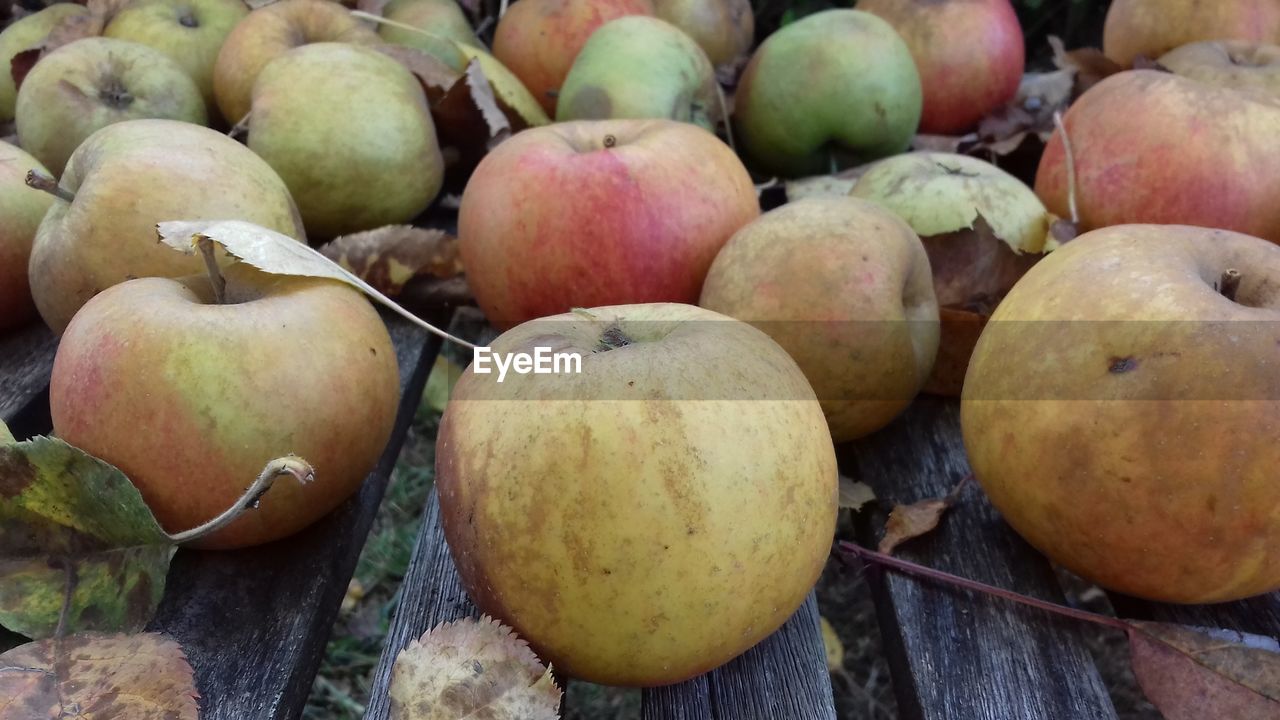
[609,516]
[981,227]
[725,29]
[834,82]
[1121,411]
[1228,63]
[442,18]
[25,34]
[21,208]
[844,286]
[126,178]
[1152,28]
[1153,147]
[641,67]
[191,399]
[598,212]
[91,83]
[539,39]
[969,53]
[190,32]
[347,171]
[271,31]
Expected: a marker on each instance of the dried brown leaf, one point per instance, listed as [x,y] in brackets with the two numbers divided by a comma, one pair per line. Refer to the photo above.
[472,668]
[1191,675]
[21,64]
[435,76]
[470,121]
[389,257]
[911,521]
[854,495]
[1088,65]
[139,677]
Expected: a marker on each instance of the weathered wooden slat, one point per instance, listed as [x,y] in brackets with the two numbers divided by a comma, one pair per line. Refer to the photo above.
[254,622]
[430,594]
[784,676]
[955,654]
[1259,615]
[26,359]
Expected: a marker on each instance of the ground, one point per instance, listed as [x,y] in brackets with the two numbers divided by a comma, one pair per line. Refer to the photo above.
[862,686]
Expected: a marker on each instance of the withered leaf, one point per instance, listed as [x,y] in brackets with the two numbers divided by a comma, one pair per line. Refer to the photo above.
[139,677]
[854,495]
[6,436]
[435,76]
[973,268]
[472,668]
[470,122]
[389,257]
[1088,65]
[74,530]
[836,184]
[911,521]
[278,254]
[1190,674]
[21,64]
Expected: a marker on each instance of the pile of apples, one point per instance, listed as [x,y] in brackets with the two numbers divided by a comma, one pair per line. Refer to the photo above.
[1118,406]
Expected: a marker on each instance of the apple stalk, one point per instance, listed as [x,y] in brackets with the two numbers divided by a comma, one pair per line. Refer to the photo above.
[1229,284]
[40,181]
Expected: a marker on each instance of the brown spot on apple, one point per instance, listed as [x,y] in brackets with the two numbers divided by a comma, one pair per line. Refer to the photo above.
[1120,365]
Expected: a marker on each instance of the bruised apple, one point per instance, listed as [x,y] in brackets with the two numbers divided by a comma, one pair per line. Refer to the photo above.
[190,398]
[25,34]
[1121,411]
[598,212]
[844,286]
[539,39]
[616,516]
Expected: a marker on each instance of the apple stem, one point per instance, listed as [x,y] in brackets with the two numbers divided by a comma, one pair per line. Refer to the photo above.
[1071,167]
[40,181]
[291,465]
[218,282]
[1230,283]
[848,550]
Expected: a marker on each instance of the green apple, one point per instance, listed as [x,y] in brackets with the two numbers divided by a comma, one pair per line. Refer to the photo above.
[641,67]
[441,18]
[725,29]
[126,178]
[21,209]
[89,84]
[269,32]
[348,171]
[191,399]
[25,34]
[190,32]
[844,286]
[833,84]
[616,516]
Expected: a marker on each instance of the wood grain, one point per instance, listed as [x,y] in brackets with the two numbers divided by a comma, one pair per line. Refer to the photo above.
[254,622]
[26,359]
[954,654]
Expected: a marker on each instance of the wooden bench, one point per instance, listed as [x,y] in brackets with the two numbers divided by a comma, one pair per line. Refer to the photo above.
[255,622]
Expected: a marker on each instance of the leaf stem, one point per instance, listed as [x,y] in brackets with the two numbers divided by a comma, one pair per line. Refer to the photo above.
[40,181]
[848,549]
[218,282]
[1071,167]
[291,465]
